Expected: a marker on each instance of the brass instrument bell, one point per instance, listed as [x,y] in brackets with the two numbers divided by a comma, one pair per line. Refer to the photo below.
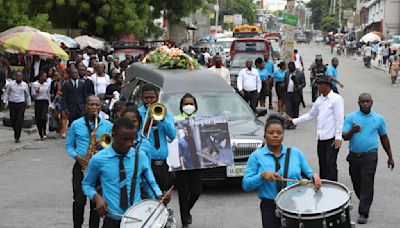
[158,111]
[105,140]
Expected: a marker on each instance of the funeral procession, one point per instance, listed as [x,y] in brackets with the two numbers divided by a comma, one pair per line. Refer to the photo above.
[199,113]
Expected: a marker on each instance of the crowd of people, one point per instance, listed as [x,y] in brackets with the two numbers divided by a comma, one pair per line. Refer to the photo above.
[83,95]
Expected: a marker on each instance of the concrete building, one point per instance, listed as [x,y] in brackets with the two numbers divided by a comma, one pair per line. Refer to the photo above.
[382,16]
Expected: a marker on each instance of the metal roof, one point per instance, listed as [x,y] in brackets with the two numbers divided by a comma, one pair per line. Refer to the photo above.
[179,80]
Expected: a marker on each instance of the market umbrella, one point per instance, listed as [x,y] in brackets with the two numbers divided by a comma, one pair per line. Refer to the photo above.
[379,34]
[370,37]
[87,41]
[18,29]
[32,43]
[71,43]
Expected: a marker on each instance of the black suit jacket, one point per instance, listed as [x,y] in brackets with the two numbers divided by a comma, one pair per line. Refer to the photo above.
[75,98]
[299,81]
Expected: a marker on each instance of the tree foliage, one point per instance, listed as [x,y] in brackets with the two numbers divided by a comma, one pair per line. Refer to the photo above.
[16,13]
[320,13]
[105,18]
[247,8]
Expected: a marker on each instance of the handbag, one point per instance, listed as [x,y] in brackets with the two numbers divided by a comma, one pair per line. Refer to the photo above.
[53,123]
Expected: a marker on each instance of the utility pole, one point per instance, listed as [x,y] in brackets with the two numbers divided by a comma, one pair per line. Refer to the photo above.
[340,14]
[216,13]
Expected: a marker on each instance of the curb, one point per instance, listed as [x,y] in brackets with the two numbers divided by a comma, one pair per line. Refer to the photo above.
[378,68]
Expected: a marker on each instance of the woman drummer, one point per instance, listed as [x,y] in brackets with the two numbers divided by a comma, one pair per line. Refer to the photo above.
[266,166]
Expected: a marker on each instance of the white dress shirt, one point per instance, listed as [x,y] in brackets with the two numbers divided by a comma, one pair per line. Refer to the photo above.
[290,87]
[329,112]
[223,72]
[17,93]
[100,83]
[249,80]
[44,91]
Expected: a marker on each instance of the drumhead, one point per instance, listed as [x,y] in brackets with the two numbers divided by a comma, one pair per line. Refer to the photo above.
[304,200]
[144,211]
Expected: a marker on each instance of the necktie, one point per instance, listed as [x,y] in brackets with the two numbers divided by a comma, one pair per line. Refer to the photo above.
[277,168]
[123,203]
[156,139]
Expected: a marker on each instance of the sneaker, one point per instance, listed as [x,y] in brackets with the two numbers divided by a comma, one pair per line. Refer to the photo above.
[362,219]
[45,137]
[394,85]
[63,136]
[41,139]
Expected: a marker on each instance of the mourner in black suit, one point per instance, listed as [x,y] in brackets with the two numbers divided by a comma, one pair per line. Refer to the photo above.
[74,96]
[294,84]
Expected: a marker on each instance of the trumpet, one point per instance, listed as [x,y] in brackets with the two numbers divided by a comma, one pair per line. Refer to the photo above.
[156,112]
[105,140]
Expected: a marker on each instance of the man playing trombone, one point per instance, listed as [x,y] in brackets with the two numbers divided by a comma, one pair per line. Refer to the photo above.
[157,133]
[77,145]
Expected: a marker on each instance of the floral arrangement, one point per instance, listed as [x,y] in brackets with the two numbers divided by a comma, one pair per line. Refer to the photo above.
[171,58]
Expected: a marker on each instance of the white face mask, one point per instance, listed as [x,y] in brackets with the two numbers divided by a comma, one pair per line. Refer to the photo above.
[189,109]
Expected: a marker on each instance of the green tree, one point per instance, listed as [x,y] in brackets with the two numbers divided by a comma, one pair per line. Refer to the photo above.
[329,23]
[17,13]
[247,8]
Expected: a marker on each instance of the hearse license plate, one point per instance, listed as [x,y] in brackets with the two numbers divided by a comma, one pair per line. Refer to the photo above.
[235,170]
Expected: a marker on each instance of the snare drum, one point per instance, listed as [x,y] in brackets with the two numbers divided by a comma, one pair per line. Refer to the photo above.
[303,207]
[152,213]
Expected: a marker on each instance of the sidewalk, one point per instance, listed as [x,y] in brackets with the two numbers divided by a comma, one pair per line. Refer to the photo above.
[28,135]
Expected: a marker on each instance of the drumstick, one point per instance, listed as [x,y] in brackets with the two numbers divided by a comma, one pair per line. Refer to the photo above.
[124,216]
[301,182]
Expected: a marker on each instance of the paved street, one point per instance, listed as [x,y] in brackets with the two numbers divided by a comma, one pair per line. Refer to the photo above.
[36,186]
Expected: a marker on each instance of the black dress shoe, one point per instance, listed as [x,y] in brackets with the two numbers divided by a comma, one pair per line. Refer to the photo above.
[362,219]
[189,220]
[17,141]
[270,107]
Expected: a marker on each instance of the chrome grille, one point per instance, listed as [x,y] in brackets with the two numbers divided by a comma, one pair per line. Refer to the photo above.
[243,148]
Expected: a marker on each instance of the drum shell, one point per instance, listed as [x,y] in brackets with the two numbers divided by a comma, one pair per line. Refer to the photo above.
[338,217]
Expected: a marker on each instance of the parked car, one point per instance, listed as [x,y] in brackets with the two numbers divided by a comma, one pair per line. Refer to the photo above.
[226,44]
[121,53]
[212,48]
[319,38]
[275,51]
[301,38]
[238,62]
[214,97]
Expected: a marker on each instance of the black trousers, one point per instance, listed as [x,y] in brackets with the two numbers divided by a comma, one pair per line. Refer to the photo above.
[269,219]
[41,111]
[73,116]
[362,168]
[327,156]
[78,206]
[251,98]
[189,187]
[292,102]
[17,112]
[161,174]
[111,223]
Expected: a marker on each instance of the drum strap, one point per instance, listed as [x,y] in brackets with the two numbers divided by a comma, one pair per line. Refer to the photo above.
[286,170]
[133,187]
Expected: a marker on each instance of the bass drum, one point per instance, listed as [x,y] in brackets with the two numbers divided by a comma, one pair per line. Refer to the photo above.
[302,207]
[152,214]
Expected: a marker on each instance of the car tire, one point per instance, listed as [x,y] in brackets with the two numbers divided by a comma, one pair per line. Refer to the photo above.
[28,122]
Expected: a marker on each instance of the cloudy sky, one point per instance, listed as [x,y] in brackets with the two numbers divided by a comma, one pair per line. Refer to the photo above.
[277,4]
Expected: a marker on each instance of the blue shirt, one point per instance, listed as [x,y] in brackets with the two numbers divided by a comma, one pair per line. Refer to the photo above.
[105,166]
[372,125]
[79,137]
[166,128]
[279,75]
[269,65]
[263,74]
[332,71]
[263,160]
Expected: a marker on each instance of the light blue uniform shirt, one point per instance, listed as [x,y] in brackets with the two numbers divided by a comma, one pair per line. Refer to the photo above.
[166,128]
[269,65]
[263,74]
[263,160]
[105,166]
[79,137]
[372,125]
[279,75]
[332,71]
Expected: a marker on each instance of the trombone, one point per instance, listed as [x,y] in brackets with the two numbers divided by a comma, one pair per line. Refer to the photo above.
[156,112]
[105,140]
